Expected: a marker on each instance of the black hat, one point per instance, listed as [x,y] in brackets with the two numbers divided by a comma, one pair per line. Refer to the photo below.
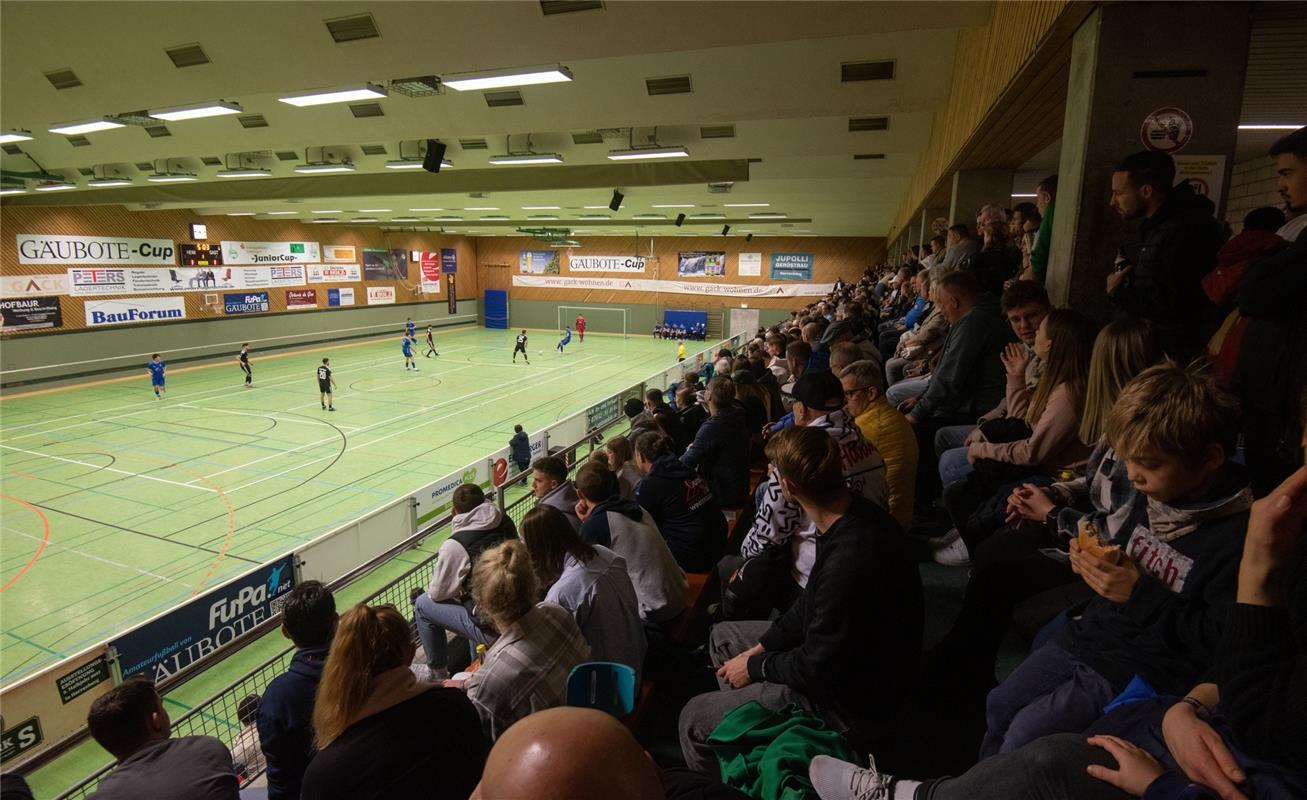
[633,407]
[819,390]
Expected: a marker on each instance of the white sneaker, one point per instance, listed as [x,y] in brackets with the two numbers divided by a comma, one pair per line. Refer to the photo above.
[426,674]
[953,554]
[834,779]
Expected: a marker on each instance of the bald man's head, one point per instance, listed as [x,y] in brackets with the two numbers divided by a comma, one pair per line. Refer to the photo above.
[568,754]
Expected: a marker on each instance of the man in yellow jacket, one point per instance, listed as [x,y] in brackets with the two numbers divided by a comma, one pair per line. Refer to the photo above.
[883,425]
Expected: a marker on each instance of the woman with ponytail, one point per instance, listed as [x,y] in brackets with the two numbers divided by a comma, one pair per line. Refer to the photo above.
[379,732]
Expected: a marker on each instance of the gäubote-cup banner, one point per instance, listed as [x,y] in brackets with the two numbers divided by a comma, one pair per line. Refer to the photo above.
[579,263]
[674,287]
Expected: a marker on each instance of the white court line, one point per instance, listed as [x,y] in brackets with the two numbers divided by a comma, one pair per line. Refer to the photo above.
[535,385]
[412,413]
[108,469]
[314,422]
[83,554]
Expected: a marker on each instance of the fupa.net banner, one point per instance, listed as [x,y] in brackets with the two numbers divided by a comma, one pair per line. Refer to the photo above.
[40,249]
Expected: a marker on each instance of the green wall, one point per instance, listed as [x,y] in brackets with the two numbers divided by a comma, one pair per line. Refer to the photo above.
[640,319]
[51,356]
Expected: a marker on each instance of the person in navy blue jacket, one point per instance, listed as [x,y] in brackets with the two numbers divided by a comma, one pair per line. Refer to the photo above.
[681,503]
[720,450]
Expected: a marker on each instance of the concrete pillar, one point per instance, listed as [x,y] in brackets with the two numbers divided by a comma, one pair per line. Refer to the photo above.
[973,188]
[1127,61]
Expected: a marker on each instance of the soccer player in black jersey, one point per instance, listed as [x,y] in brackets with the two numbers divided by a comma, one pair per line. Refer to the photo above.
[325,384]
[244,358]
[520,347]
[431,341]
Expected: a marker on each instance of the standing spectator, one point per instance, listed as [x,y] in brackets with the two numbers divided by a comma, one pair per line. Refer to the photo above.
[1046,204]
[519,448]
[285,715]
[848,648]
[131,723]
[886,429]
[591,582]
[551,487]
[681,504]
[380,733]
[1180,240]
[447,603]
[246,754]
[526,669]
[720,450]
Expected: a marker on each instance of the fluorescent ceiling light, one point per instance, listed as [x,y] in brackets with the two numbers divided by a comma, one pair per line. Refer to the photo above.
[1272,127]
[542,216]
[330,211]
[1014,194]
[87,126]
[367,91]
[594,216]
[374,210]
[706,216]
[481,208]
[326,166]
[746,205]
[364,219]
[12,190]
[240,213]
[416,163]
[8,137]
[170,177]
[404,219]
[673,205]
[197,111]
[649,216]
[503,216]
[104,183]
[426,209]
[326,219]
[54,186]
[244,172]
[448,219]
[593,208]
[637,153]
[541,208]
[527,158]
[280,213]
[503,78]
[768,215]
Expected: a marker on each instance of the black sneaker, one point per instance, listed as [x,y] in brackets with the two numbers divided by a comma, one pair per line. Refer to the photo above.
[331,408]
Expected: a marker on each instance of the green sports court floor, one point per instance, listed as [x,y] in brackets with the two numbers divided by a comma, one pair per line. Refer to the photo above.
[117,506]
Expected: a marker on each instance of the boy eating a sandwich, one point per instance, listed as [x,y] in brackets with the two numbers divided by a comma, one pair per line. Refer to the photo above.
[1164,586]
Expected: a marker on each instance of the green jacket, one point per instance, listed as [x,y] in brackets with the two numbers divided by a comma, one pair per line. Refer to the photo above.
[1043,239]
[765,754]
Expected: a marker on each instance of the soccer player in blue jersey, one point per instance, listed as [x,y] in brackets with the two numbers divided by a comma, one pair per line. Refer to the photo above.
[566,340]
[407,347]
[411,329]
[156,368]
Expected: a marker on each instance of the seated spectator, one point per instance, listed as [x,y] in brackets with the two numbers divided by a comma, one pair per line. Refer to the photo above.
[381,733]
[1040,438]
[690,414]
[526,669]
[1160,612]
[886,429]
[767,380]
[591,582]
[755,401]
[776,345]
[620,461]
[131,723]
[655,404]
[612,521]
[918,348]
[797,357]
[246,754]
[848,647]
[640,418]
[720,450]
[285,713]
[447,603]
[722,364]
[551,487]
[681,504]
[780,547]
[961,246]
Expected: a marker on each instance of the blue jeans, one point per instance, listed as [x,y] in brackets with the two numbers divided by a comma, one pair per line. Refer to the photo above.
[951,436]
[1050,692]
[953,465]
[434,618]
[906,388]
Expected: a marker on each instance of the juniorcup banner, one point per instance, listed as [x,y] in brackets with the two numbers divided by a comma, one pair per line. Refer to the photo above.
[674,287]
[38,249]
[271,253]
[605,263]
[90,281]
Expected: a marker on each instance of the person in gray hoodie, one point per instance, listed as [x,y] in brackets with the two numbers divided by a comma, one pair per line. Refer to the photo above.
[551,487]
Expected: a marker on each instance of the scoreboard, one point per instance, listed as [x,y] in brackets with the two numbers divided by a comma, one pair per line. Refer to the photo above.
[201,255]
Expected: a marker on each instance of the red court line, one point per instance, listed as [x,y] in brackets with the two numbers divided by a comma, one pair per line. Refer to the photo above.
[45,539]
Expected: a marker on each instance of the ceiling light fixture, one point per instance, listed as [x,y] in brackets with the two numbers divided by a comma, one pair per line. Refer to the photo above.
[1014,194]
[171,177]
[374,210]
[503,78]
[280,213]
[707,216]
[197,111]
[367,91]
[9,137]
[8,190]
[481,208]
[525,158]
[638,153]
[673,205]
[364,219]
[87,126]
[409,163]
[541,208]
[321,220]
[649,216]
[105,183]
[244,172]
[330,211]
[768,215]
[426,209]
[240,213]
[594,208]
[321,167]
[404,219]
[746,205]
[1288,126]
[54,186]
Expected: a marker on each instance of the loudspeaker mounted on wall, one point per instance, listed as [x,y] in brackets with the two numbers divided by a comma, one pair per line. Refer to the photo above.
[616,202]
[726,229]
[435,156]
[680,218]
[749,238]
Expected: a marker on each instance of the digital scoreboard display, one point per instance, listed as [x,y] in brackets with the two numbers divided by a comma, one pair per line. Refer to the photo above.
[201,255]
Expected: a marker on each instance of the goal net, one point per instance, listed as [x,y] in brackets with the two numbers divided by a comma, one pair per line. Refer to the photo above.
[597,319]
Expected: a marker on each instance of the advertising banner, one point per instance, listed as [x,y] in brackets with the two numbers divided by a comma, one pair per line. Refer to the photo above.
[701,265]
[24,285]
[605,263]
[246,303]
[30,313]
[271,253]
[600,413]
[38,249]
[132,280]
[429,264]
[673,287]
[381,295]
[451,283]
[334,273]
[750,265]
[448,260]
[340,297]
[184,636]
[339,254]
[48,707]
[201,255]
[384,265]
[791,266]
[539,262]
[301,298]
[127,310]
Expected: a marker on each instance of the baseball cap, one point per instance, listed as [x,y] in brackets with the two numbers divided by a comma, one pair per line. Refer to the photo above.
[819,390]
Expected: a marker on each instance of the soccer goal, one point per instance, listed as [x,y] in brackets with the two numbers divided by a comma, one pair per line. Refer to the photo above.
[597,319]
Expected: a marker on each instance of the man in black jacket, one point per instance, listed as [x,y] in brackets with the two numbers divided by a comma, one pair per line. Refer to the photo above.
[682,505]
[720,450]
[1180,241]
[847,649]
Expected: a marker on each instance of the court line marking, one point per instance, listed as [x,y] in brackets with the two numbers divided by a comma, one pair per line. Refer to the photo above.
[45,538]
[313,422]
[106,469]
[84,554]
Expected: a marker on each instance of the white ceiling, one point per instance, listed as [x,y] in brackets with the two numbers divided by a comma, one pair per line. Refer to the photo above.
[772,69]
